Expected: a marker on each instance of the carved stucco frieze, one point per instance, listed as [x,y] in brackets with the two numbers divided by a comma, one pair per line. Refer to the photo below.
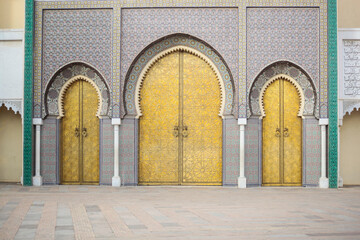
[352,68]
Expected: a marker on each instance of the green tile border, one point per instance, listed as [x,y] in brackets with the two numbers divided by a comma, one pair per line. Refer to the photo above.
[333,118]
[28,93]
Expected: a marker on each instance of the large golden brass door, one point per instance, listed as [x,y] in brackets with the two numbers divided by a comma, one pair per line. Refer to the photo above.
[282,138]
[80,135]
[180,130]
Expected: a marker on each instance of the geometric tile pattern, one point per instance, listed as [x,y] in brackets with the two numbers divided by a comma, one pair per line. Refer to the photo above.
[107,151]
[252,151]
[68,31]
[296,73]
[128,163]
[177,40]
[48,164]
[231,147]
[294,34]
[283,33]
[217,27]
[312,151]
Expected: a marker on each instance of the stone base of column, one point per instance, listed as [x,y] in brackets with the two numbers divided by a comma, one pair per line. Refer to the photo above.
[116,181]
[242,182]
[323,182]
[37,181]
[341,182]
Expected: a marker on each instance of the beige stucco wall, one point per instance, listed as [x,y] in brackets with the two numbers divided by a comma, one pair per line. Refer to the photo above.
[348,13]
[12,14]
[350,149]
[10,146]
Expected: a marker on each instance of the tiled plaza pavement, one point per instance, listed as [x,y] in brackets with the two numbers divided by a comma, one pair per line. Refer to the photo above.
[104,212]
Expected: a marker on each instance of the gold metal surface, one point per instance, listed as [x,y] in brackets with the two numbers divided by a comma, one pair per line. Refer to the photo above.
[282,150]
[180,90]
[80,152]
[202,148]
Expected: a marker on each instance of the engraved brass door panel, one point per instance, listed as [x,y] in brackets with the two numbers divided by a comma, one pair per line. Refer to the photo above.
[282,138]
[180,130]
[80,135]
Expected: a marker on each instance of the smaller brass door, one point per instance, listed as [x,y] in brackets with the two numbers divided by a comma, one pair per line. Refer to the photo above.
[282,138]
[80,135]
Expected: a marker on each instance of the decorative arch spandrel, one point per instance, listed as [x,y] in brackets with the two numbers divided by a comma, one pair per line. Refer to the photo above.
[288,70]
[67,75]
[169,44]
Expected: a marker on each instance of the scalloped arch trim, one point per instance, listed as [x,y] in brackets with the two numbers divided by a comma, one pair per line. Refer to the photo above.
[66,86]
[293,82]
[162,54]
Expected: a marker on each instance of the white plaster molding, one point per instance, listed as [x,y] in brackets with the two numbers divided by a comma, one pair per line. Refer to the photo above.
[68,84]
[292,81]
[38,121]
[11,34]
[116,121]
[14,104]
[167,52]
[242,121]
[323,121]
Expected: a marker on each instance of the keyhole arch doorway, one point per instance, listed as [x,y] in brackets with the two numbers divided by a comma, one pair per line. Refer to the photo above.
[282,104]
[180,130]
[80,104]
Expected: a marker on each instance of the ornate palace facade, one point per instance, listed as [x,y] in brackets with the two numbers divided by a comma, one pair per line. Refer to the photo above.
[227,92]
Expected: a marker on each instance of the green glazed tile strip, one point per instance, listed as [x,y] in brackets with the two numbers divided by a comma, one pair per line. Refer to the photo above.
[333,117]
[28,93]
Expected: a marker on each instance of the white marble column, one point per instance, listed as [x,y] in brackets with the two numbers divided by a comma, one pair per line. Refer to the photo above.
[242,179]
[323,181]
[37,179]
[116,181]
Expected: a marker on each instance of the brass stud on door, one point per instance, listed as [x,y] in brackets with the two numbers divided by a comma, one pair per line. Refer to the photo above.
[77,132]
[277,132]
[286,132]
[176,131]
[84,132]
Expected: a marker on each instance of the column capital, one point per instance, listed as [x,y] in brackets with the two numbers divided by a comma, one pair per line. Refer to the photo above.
[323,121]
[116,121]
[242,121]
[37,121]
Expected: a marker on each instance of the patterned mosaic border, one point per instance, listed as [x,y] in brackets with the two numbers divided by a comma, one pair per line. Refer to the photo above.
[39,8]
[169,42]
[28,94]
[333,119]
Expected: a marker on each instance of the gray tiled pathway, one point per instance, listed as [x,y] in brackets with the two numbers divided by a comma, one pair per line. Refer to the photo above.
[103,212]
